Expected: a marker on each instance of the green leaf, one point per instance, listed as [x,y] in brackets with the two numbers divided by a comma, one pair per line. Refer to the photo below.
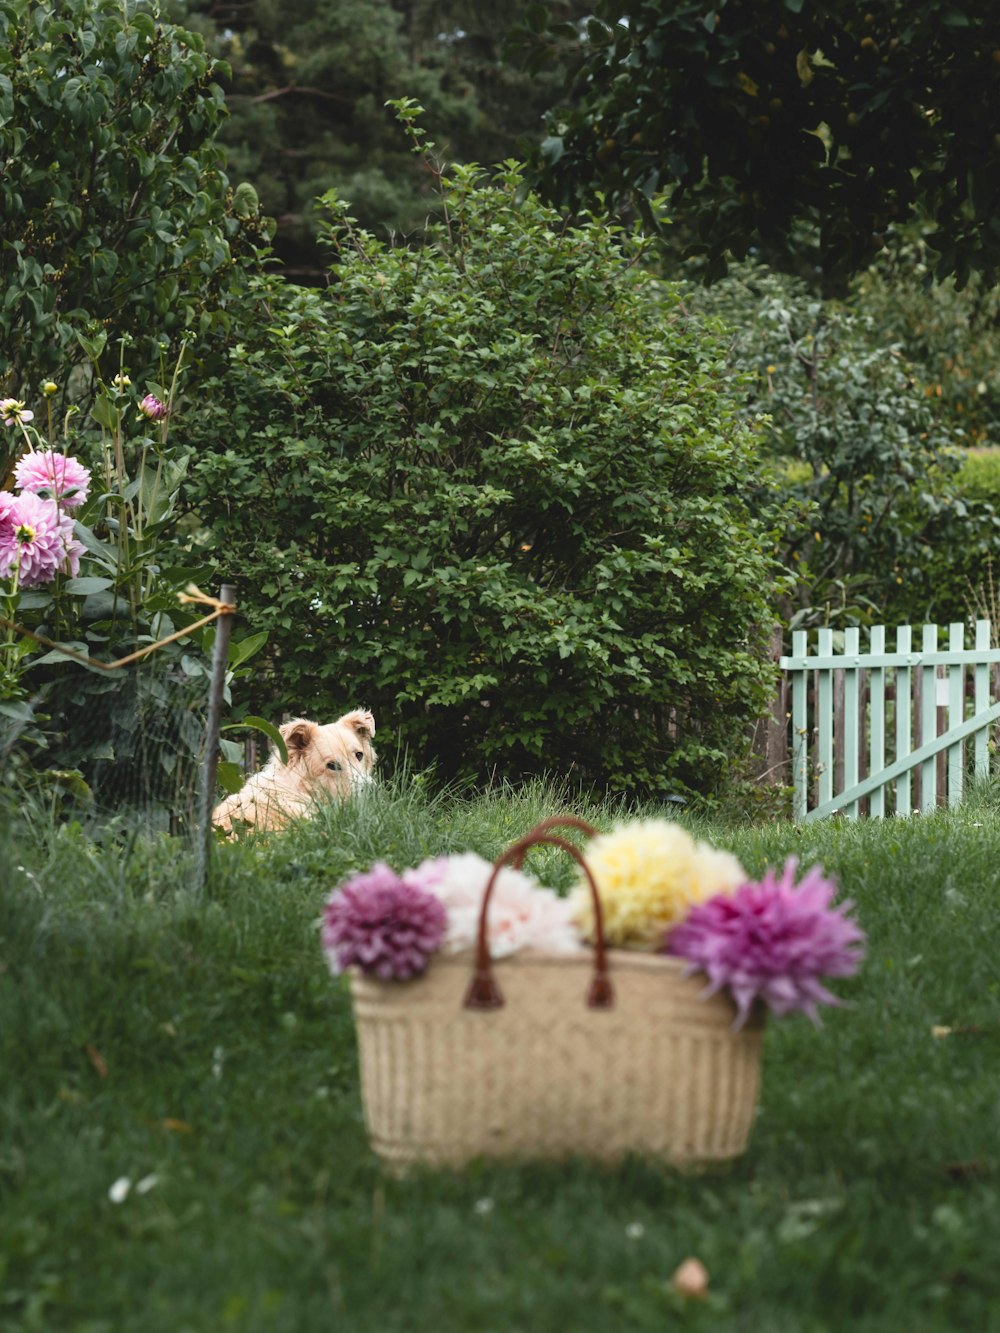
[229,777]
[598,33]
[106,555]
[104,412]
[71,780]
[553,148]
[55,656]
[240,651]
[144,24]
[268,728]
[21,712]
[83,587]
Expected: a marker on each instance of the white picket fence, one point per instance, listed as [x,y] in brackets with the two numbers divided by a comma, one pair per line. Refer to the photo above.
[876,731]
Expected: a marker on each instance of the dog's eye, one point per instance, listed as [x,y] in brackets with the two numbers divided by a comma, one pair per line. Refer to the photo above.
[359,755]
[333,766]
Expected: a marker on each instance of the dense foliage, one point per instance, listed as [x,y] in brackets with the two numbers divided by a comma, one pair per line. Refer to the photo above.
[952,337]
[867,455]
[764,117]
[118,212]
[496,489]
[306,102]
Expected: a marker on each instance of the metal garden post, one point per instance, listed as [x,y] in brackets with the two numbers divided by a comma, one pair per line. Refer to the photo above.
[210,759]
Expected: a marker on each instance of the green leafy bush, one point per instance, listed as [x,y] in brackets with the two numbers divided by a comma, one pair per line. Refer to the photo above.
[118,214]
[868,459]
[952,337]
[496,489]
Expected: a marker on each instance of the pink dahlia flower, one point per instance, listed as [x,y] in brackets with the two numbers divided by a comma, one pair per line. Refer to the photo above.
[36,539]
[54,477]
[74,550]
[773,940]
[383,924]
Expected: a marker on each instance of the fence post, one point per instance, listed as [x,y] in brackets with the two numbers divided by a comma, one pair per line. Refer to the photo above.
[982,698]
[210,759]
[852,699]
[905,676]
[956,716]
[800,728]
[929,722]
[876,734]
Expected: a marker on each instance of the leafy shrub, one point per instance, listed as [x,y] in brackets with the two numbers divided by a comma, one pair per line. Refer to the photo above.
[867,458]
[118,213]
[952,337]
[497,489]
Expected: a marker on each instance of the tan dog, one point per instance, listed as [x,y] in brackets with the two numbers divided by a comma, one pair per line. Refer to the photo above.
[323,762]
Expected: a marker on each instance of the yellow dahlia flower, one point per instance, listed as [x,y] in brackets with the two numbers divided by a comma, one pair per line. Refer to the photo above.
[649,874]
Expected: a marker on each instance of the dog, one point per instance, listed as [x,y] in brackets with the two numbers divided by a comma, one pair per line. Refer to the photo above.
[324,762]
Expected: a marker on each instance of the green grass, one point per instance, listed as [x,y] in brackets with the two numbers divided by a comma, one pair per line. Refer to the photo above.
[147,1034]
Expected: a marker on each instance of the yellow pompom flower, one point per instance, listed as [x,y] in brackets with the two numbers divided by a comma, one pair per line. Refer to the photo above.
[649,873]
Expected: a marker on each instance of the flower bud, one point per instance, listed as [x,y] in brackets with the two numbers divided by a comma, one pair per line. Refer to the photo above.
[153,408]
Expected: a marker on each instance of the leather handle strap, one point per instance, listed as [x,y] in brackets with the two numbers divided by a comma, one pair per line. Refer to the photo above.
[483,992]
[547,825]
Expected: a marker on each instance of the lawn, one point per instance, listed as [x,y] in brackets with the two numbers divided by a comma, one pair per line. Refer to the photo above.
[182,1145]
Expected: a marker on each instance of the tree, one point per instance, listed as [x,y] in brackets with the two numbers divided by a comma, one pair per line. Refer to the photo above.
[495,487]
[118,213]
[785,126]
[307,104]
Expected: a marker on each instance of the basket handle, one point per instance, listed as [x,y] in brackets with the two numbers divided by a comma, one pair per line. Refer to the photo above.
[483,992]
[546,826]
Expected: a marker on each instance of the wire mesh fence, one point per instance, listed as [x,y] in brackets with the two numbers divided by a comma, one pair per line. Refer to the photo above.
[131,744]
[127,745]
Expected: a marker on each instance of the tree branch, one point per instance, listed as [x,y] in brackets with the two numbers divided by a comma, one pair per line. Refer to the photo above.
[283,92]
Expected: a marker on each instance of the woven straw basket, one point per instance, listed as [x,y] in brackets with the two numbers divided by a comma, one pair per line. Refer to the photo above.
[600,1054]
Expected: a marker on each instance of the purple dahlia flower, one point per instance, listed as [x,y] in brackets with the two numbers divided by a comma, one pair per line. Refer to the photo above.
[772,940]
[53,476]
[151,407]
[382,923]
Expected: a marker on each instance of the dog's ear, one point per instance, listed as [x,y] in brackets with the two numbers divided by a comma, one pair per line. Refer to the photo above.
[360,721]
[298,735]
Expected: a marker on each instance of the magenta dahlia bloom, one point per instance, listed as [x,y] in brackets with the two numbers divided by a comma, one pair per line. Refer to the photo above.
[54,477]
[385,924]
[36,539]
[151,407]
[773,940]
